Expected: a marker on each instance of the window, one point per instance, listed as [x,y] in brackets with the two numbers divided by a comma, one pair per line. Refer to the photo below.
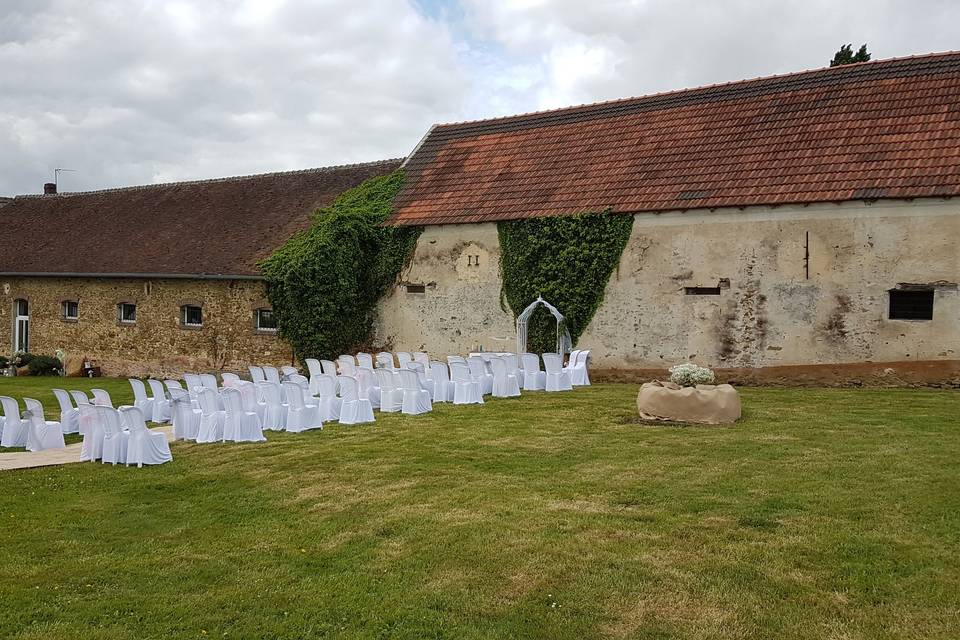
[416,288]
[911,305]
[21,326]
[70,309]
[702,291]
[191,315]
[127,312]
[264,320]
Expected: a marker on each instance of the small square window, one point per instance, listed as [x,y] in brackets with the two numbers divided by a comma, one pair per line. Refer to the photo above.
[416,288]
[702,291]
[265,320]
[127,312]
[911,305]
[191,315]
[70,309]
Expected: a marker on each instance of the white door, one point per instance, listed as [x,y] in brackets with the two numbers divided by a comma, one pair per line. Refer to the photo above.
[21,326]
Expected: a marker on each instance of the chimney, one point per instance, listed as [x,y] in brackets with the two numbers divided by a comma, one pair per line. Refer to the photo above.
[49,189]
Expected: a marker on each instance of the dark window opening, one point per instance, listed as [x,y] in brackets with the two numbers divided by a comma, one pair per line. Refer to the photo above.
[702,291]
[70,309]
[265,320]
[127,312]
[416,288]
[191,315]
[911,305]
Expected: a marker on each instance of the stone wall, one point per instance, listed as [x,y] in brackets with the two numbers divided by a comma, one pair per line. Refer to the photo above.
[156,344]
[799,285]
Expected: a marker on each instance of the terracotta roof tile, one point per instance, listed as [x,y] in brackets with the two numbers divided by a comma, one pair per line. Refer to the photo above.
[885,129]
[206,227]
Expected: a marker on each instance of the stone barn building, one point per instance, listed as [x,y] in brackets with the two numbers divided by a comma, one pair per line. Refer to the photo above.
[804,219]
[160,278]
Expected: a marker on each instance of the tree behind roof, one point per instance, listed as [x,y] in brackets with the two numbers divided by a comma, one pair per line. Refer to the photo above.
[847,56]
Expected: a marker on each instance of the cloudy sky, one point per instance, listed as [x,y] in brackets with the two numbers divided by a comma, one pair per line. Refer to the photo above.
[140,91]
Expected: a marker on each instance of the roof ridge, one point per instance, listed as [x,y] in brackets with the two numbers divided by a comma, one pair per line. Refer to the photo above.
[717,85]
[252,176]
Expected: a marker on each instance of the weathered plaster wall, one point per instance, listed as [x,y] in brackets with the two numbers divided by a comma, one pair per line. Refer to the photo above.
[156,344]
[769,312]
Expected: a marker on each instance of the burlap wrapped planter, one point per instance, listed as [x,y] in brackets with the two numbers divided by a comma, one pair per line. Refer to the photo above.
[703,404]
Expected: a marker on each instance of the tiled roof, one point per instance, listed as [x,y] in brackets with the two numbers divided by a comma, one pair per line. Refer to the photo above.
[885,129]
[207,227]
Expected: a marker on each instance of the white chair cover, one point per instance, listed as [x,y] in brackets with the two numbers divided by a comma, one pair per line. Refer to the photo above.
[229,377]
[275,409]
[194,384]
[365,360]
[140,398]
[239,425]
[347,365]
[161,406]
[557,378]
[329,368]
[272,374]
[314,367]
[452,359]
[533,378]
[92,429]
[478,369]
[211,417]
[368,386]
[41,434]
[424,359]
[505,384]
[288,371]
[385,360]
[296,378]
[69,415]
[466,390]
[301,415]
[403,358]
[353,409]
[256,374]
[391,397]
[416,399]
[251,398]
[101,398]
[145,446]
[79,397]
[513,366]
[579,372]
[116,441]
[209,381]
[186,419]
[327,401]
[442,386]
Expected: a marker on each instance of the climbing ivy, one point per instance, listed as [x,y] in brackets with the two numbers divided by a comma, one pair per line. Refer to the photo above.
[324,283]
[568,261]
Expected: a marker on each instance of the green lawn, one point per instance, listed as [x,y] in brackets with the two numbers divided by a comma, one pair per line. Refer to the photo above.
[822,514]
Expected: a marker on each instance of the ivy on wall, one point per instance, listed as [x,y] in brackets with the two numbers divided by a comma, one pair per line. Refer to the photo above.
[567,260]
[324,283]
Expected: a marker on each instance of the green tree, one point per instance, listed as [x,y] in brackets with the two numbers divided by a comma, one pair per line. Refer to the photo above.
[847,56]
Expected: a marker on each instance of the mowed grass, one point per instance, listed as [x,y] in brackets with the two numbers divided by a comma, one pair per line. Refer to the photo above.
[822,514]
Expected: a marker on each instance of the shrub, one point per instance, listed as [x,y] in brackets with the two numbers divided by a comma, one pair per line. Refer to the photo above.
[21,359]
[690,375]
[4,362]
[44,366]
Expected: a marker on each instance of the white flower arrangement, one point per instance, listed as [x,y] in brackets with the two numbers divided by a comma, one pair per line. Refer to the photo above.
[690,375]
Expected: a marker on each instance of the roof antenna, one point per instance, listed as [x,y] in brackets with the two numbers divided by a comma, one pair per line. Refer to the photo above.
[56,175]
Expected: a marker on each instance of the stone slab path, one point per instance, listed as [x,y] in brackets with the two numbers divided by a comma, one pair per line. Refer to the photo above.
[71,453]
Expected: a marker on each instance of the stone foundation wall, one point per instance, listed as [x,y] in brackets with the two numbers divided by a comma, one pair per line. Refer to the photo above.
[156,344]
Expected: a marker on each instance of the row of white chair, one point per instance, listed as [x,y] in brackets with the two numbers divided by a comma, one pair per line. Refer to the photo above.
[29,429]
[120,437]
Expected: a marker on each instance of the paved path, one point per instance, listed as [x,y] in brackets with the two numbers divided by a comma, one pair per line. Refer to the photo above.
[71,453]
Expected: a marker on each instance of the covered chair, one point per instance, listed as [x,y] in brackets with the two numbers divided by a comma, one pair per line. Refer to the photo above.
[209,381]
[391,397]
[140,398]
[272,374]
[69,415]
[505,384]
[287,371]
[424,359]
[557,378]
[326,395]
[365,360]
[79,397]
[186,419]
[211,417]
[229,378]
[313,367]
[533,378]
[442,386]
[161,406]
[579,369]
[368,386]
[251,398]
[403,358]
[101,398]
[347,365]
[329,368]
[478,369]
[301,415]
[296,378]
[256,374]
[353,408]
[274,409]
[41,433]
[513,366]
[92,429]
[239,425]
[144,446]
[416,400]
[116,441]
[466,390]
[385,360]
[193,382]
